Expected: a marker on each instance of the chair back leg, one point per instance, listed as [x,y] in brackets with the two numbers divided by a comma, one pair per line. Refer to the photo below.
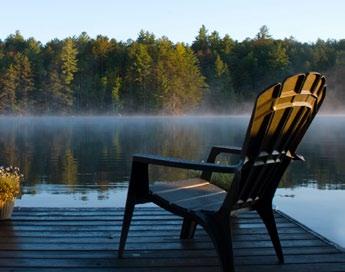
[267,216]
[219,229]
[188,229]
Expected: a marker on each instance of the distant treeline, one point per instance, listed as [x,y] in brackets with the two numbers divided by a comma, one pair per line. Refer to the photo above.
[81,75]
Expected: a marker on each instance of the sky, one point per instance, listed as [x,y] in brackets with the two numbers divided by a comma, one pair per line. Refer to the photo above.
[179,20]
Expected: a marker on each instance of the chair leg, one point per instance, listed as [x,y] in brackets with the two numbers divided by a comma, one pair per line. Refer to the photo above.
[125,226]
[267,216]
[219,229]
[188,229]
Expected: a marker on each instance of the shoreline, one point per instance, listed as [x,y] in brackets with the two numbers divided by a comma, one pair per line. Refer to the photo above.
[135,116]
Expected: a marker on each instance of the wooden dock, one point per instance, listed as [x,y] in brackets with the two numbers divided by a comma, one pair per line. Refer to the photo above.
[86,239]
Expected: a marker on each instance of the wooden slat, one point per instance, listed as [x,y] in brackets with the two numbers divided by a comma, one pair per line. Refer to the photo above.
[148,232]
[171,261]
[158,238]
[165,253]
[127,269]
[190,194]
[280,118]
[167,187]
[108,227]
[267,268]
[114,219]
[112,245]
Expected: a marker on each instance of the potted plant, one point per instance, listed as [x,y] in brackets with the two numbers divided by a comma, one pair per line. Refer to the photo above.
[10,178]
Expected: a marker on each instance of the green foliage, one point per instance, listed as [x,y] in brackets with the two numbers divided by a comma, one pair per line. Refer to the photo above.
[115,94]
[68,61]
[154,75]
[25,84]
[58,97]
[138,78]
[8,86]
[222,180]
[178,79]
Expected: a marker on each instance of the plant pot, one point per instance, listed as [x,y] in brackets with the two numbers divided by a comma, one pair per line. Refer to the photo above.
[6,209]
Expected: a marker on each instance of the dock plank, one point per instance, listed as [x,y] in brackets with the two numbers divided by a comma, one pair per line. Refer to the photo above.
[86,239]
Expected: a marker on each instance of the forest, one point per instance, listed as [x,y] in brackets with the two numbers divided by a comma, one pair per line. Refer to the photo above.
[150,75]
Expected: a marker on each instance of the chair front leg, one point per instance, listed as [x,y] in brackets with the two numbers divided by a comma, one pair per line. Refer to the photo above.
[125,225]
[138,190]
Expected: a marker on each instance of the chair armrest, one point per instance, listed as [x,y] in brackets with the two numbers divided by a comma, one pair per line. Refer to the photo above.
[138,189]
[226,149]
[184,164]
[215,151]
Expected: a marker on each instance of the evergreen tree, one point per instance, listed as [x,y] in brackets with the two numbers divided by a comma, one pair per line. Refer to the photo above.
[83,79]
[116,104]
[180,83]
[57,97]
[201,43]
[37,73]
[25,83]
[8,86]
[15,43]
[138,78]
[146,37]
[68,61]
[220,96]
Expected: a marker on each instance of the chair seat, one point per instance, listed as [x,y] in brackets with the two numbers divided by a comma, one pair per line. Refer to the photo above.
[190,194]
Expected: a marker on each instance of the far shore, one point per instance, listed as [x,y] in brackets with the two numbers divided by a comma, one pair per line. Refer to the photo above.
[138,116]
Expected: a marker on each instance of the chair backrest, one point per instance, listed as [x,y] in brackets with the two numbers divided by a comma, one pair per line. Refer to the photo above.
[280,118]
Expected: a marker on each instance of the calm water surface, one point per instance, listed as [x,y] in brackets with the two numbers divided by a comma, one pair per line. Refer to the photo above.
[85,162]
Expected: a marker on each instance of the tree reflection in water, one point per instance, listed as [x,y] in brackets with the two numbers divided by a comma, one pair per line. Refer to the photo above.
[94,153]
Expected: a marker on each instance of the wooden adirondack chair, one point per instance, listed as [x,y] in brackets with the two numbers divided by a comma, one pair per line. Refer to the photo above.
[280,118]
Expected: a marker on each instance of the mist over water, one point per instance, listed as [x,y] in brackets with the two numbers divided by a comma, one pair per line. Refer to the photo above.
[85,161]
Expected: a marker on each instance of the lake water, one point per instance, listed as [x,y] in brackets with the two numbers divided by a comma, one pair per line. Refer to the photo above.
[85,161]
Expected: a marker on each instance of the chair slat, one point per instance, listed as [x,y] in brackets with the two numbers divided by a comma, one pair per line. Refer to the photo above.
[188,193]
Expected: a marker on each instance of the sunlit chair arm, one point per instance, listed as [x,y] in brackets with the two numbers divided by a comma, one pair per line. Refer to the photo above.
[218,149]
[184,164]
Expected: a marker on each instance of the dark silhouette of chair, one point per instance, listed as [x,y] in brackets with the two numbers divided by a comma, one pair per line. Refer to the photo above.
[280,118]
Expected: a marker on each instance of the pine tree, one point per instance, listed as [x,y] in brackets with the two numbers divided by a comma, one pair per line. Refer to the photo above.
[180,83]
[68,66]
[201,43]
[8,86]
[115,94]
[56,99]
[68,61]
[138,78]
[221,94]
[25,84]
[83,82]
